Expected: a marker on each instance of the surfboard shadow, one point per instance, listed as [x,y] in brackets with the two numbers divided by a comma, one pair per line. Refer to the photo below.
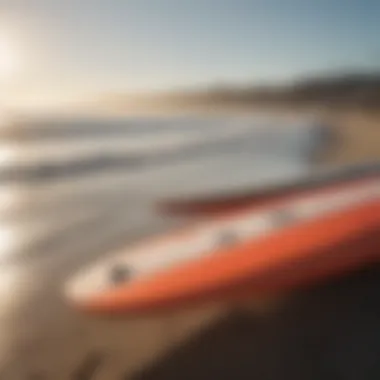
[327,332]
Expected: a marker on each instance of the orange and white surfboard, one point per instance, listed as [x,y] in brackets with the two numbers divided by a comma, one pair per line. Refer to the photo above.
[280,245]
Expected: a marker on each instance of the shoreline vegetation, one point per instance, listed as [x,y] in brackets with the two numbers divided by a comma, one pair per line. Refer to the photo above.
[359,91]
[350,103]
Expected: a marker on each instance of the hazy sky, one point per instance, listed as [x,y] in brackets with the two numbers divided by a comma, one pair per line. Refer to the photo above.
[71,48]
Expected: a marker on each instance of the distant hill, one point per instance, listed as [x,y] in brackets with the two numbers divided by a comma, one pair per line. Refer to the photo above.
[349,90]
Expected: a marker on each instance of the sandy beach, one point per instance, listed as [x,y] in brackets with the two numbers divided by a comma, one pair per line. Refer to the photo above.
[42,338]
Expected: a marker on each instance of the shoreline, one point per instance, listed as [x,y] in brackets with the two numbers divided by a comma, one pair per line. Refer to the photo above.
[54,342]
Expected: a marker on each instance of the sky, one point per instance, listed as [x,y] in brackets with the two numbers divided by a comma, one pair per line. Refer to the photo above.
[72,49]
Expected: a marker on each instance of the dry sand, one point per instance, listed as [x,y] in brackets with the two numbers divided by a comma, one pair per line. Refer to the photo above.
[360,138]
[47,340]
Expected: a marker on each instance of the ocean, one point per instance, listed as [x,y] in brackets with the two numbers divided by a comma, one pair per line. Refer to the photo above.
[65,177]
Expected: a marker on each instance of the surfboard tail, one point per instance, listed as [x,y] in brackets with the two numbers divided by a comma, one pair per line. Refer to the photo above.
[211,205]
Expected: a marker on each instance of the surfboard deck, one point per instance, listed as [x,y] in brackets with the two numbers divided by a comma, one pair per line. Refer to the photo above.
[259,250]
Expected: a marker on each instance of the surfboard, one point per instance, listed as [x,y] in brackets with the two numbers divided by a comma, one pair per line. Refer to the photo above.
[210,204]
[278,246]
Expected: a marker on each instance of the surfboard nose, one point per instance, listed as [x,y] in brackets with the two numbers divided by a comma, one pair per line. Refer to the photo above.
[90,282]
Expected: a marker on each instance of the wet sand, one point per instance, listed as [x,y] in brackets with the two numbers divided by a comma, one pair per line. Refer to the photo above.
[42,338]
[327,332]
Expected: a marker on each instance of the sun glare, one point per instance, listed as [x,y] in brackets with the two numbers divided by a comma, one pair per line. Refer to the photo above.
[8,62]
